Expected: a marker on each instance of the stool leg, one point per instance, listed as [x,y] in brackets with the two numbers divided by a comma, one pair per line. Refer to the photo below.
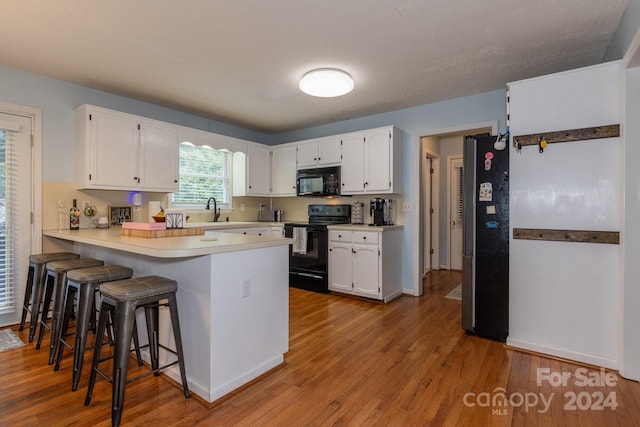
[85,307]
[36,298]
[151,316]
[136,342]
[48,292]
[177,336]
[68,312]
[27,298]
[123,325]
[105,311]
[59,293]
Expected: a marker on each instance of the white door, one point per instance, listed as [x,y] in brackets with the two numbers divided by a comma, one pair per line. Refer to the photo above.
[340,268]
[366,271]
[456,209]
[283,172]
[352,164]
[377,162]
[159,157]
[17,203]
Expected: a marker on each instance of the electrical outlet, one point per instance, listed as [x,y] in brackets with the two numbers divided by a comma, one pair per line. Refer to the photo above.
[242,207]
[246,288]
[407,206]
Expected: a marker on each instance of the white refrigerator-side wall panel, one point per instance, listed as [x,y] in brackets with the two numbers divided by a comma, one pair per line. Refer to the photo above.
[563,296]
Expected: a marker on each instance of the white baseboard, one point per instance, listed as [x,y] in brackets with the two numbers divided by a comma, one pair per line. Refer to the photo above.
[563,353]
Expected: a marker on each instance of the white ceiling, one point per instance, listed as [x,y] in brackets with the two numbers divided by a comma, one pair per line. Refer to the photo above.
[240,61]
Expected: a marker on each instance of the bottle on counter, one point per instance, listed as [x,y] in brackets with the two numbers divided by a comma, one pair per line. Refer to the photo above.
[74,216]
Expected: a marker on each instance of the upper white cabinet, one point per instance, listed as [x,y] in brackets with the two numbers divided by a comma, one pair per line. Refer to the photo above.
[371,162]
[319,152]
[118,151]
[258,170]
[283,170]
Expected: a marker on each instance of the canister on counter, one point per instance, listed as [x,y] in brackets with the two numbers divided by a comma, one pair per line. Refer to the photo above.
[357,213]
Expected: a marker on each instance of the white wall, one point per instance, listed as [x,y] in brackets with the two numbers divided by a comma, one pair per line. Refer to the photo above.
[630,239]
[564,296]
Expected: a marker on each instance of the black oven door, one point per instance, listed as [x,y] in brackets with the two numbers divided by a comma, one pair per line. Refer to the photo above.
[309,270]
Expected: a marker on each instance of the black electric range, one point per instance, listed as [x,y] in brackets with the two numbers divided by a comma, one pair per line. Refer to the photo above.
[309,253]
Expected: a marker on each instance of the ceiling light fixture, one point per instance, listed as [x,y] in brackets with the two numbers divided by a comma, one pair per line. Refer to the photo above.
[326,83]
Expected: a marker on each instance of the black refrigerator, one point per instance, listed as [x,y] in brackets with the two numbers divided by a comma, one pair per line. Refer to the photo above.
[485,263]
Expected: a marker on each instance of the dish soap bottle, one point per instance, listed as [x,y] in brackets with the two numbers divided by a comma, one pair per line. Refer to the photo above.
[74,216]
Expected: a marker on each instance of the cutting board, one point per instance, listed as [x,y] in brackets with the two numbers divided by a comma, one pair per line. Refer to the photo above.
[173,232]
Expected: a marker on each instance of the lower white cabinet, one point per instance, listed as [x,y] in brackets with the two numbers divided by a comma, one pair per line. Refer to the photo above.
[365,263]
[271,231]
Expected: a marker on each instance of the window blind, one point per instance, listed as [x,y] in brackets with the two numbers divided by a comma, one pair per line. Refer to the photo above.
[8,186]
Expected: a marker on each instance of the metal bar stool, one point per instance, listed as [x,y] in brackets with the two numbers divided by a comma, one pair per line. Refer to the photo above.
[122,298]
[34,288]
[55,288]
[84,281]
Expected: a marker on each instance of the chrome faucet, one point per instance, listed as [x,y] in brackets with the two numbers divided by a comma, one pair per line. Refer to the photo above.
[216,210]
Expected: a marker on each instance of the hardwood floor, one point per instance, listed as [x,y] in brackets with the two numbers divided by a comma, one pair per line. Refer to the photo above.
[351,362]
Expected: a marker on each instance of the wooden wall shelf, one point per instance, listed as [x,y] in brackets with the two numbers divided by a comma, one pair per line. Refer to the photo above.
[581,236]
[583,134]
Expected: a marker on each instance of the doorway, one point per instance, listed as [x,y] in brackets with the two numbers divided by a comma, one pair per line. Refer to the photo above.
[20,203]
[435,228]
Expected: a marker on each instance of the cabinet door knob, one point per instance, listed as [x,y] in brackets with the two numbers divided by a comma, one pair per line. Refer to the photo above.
[364,237]
[135,178]
[339,236]
[175,180]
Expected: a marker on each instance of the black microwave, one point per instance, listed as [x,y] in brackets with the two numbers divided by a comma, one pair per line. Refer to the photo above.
[318,182]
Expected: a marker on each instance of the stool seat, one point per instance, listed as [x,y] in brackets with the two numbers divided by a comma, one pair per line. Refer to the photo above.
[105,273]
[52,256]
[138,288]
[34,291]
[72,264]
[55,289]
[121,299]
[85,282]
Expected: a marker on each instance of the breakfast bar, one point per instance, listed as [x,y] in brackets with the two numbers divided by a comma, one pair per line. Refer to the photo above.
[233,297]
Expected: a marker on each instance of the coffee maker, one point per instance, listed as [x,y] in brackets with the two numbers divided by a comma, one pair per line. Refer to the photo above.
[381,211]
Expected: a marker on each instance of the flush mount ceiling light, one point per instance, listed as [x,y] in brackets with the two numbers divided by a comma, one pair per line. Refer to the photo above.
[326,83]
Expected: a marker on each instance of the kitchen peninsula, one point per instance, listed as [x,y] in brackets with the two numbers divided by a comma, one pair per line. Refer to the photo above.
[233,297]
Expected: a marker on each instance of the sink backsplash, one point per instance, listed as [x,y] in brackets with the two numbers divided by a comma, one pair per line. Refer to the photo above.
[295,208]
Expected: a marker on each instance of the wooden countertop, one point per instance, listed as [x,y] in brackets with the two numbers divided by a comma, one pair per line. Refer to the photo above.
[168,247]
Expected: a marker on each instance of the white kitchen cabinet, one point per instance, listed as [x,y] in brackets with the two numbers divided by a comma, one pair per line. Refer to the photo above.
[258,170]
[365,263]
[319,152]
[340,261]
[371,162]
[283,170]
[118,151]
[252,171]
[249,231]
[159,157]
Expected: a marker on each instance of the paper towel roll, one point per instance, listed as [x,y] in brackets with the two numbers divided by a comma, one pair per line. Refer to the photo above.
[153,208]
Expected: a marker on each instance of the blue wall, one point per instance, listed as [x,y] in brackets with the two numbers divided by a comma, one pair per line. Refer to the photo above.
[626,30]
[58,100]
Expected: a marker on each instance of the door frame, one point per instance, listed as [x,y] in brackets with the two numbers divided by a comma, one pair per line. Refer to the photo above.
[430,200]
[35,115]
[450,161]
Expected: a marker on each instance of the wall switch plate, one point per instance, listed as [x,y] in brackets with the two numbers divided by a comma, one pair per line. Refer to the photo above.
[407,206]
[241,207]
[246,288]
